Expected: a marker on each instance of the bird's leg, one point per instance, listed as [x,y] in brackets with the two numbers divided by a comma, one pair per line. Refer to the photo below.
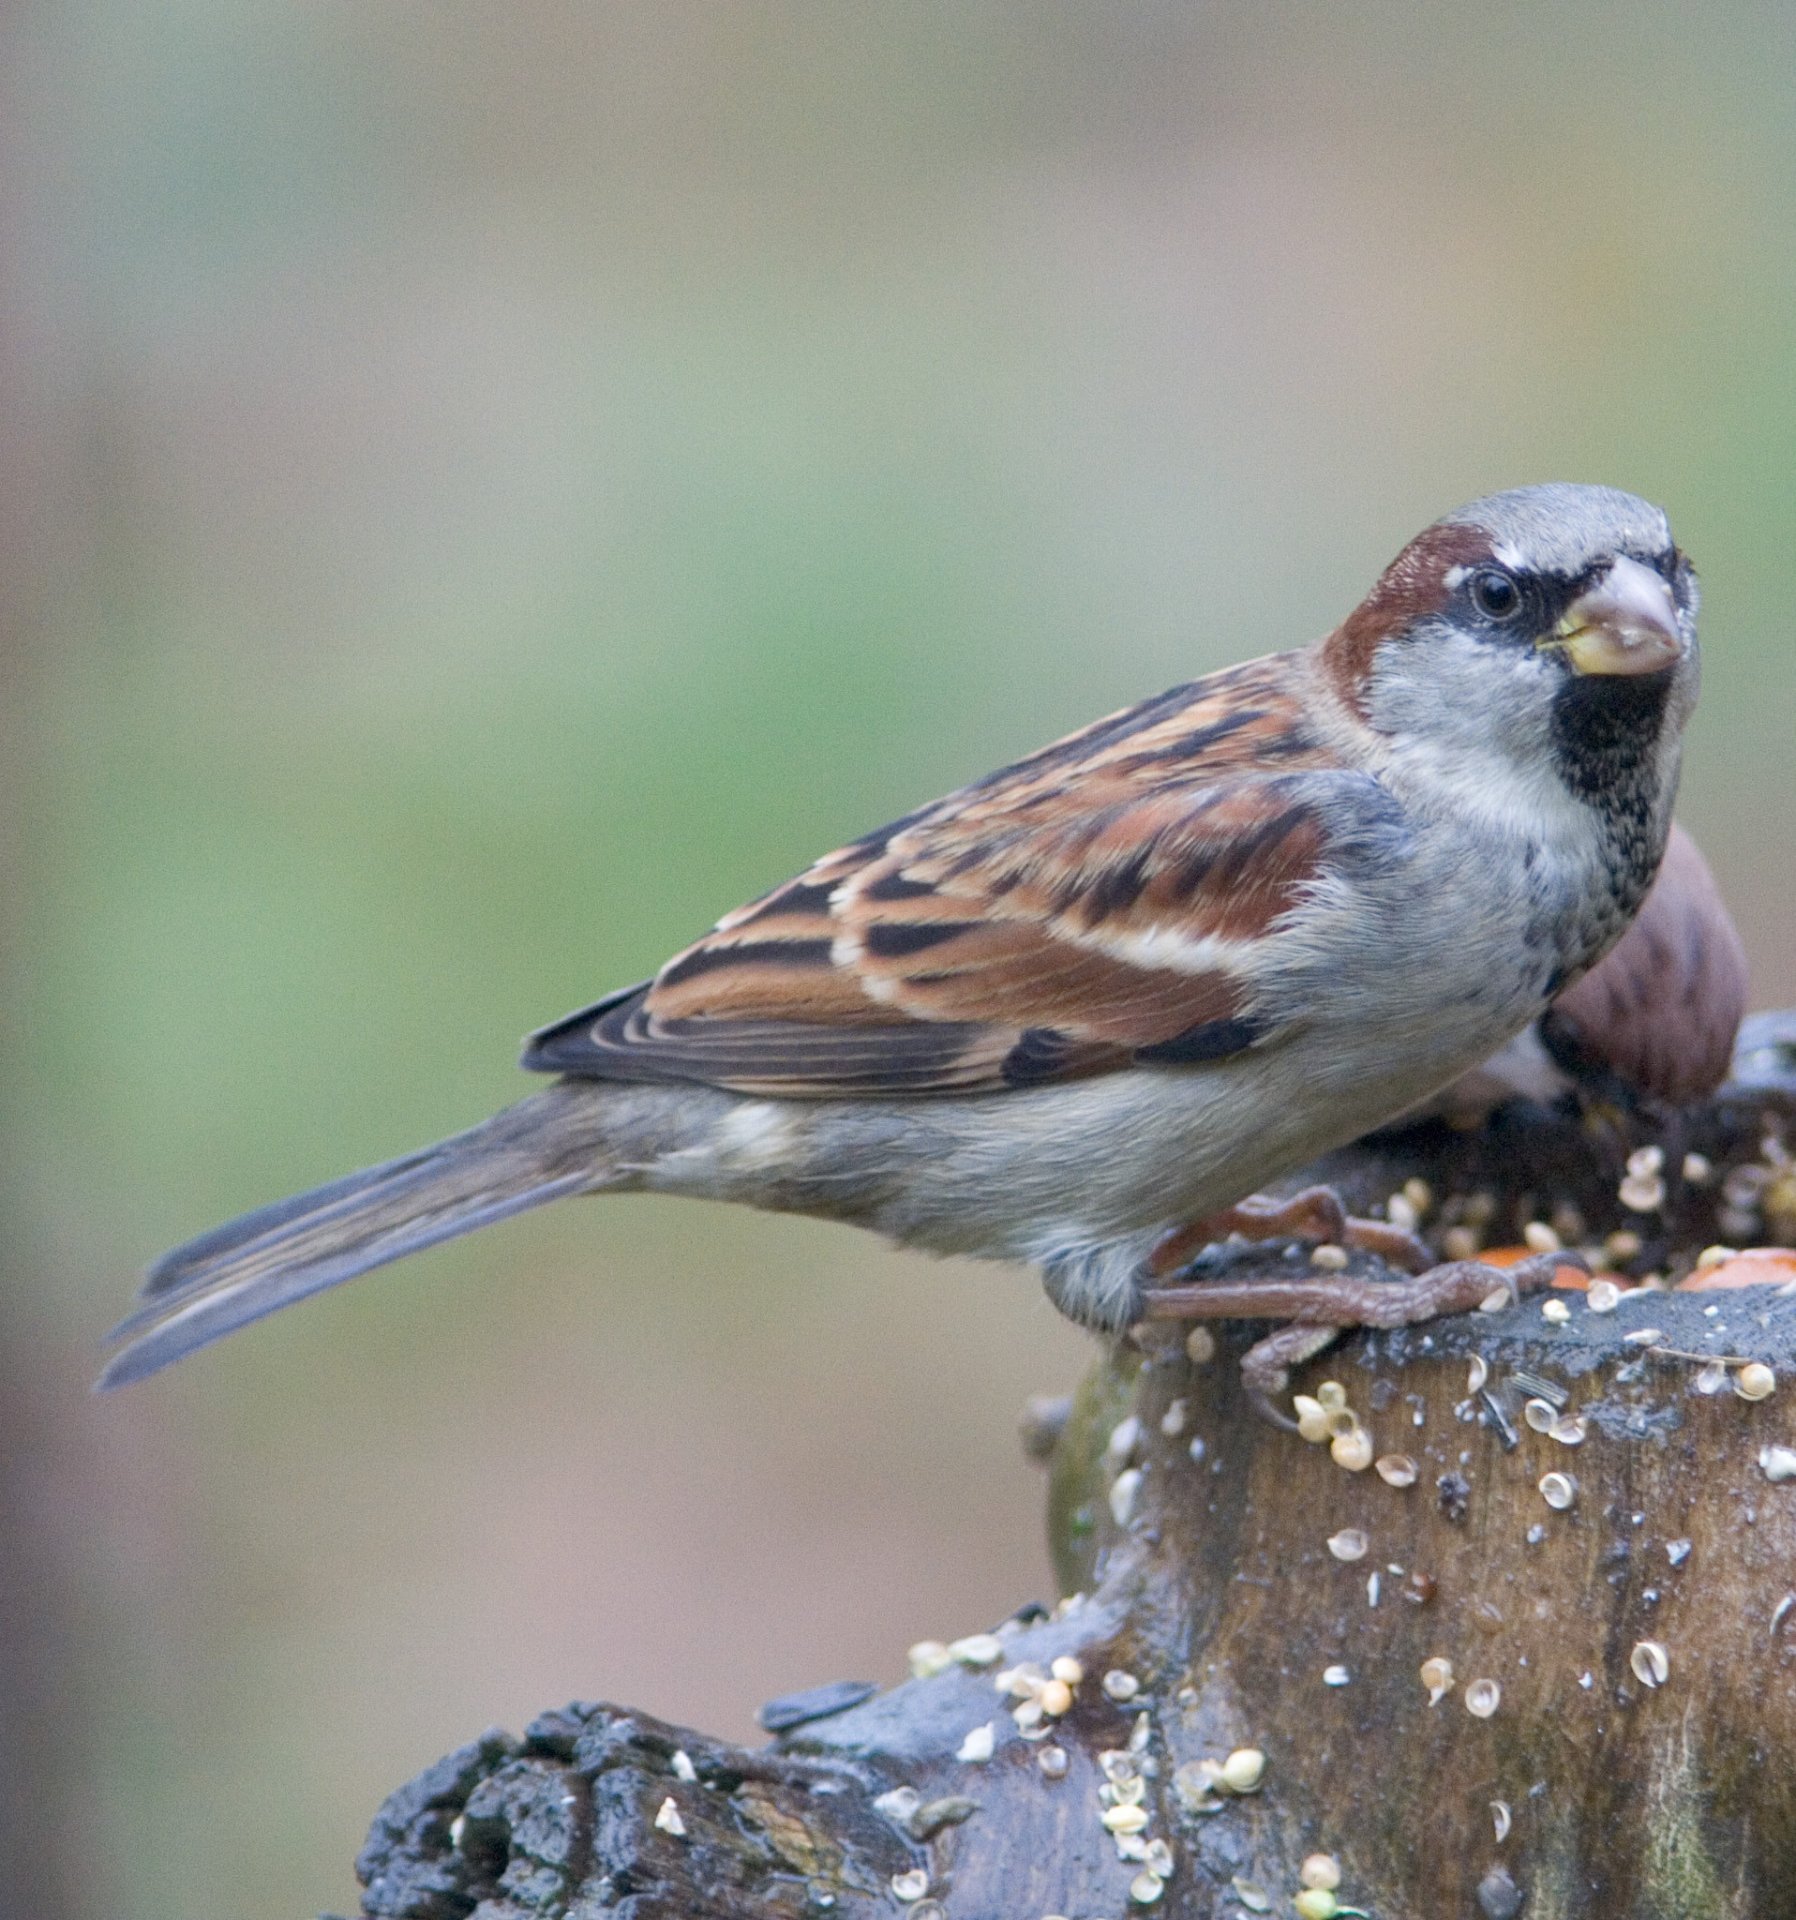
[1313,1213]
[1319,1305]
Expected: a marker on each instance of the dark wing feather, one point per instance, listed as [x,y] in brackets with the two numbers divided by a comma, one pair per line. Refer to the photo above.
[1090,907]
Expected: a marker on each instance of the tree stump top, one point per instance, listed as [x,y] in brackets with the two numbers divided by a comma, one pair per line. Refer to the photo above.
[1526,1647]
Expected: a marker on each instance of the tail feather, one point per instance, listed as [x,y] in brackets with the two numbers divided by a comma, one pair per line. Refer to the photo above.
[248,1268]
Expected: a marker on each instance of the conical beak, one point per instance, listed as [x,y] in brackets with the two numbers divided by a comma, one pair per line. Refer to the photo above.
[1626,623]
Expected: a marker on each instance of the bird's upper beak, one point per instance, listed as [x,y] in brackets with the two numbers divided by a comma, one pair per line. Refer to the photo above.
[1626,623]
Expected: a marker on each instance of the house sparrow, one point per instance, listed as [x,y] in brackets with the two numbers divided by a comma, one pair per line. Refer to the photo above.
[1655,1019]
[1112,989]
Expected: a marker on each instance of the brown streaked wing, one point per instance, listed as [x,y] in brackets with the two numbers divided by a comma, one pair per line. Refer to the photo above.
[1073,913]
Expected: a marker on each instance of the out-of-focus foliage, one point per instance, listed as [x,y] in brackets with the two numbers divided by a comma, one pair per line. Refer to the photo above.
[494,486]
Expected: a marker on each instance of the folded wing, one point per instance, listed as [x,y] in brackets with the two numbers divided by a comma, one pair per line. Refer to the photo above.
[1104,903]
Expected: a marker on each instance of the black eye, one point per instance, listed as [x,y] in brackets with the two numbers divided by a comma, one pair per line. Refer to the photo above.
[1495,594]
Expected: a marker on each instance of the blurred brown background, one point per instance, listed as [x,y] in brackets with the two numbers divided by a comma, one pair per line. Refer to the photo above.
[486,488]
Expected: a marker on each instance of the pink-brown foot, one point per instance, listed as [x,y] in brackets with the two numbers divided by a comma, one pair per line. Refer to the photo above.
[1325,1303]
[1313,1213]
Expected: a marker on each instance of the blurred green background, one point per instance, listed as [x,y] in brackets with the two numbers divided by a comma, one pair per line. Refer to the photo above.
[489,487]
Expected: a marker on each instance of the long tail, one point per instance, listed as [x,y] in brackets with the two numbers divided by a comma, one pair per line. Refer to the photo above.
[552,1143]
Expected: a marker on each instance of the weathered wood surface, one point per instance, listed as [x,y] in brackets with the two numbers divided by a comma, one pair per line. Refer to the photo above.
[1219,1618]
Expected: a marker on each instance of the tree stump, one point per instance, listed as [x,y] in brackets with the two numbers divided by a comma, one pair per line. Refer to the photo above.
[1539,1659]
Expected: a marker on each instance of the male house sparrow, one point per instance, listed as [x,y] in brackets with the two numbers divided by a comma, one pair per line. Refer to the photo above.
[1104,993]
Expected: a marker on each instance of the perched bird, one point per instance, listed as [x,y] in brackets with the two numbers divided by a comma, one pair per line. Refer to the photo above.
[1654,1020]
[1070,1013]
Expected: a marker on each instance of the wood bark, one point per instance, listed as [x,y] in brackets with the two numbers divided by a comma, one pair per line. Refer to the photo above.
[1611,1732]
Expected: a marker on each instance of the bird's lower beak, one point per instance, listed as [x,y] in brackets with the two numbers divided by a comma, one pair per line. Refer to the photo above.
[1626,623]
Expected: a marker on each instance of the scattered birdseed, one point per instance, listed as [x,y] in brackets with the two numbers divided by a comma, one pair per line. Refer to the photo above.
[1125,1436]
[1537,1388]
[976,1650]
[1068,1669]
[1476,1374]
[1020,1682]
[928,1658]
[1482,1698]
[1349,1544]
[1200,1346]
[1460,1243]
[1755,1381]
[1540,1238]
[1331,1259]
[1372,1588]
[899,1805]
[1781,1611]
[1699,1170]
[1056,1698]
[1243,1770]
[1437,1677]
[1159,1858]
[1123,1490]
[1715,1256]
[1644,1162]
[1419,1194]
[1146,1887]
[1332,1395]
[929,1910]
[1570,1430]
[1320,1871]
[1651,1663]
[1336,1676]
[1642,1195]
[1028,1717]
[1644,1337]
[1623,1245]
[1119,1685]
[1400,1211]
[1496,1300]
[1172,1421]
[1141,1733]
[1313,1422]
[1196,1788]
[912,1885]
[1710,1378]
[1602,1296]
[1558,1490]
[1677,1551]
[1254,1899]
[949,1811]
[1198,1447]
[977,1747]
[1556,1311]
[1396,1469]
[1053,1762]
[668,1820]
[1127,1818]
[1538,1416]
[1500,1819]
[683,1769]
[1352,1450]
[1778,1463]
